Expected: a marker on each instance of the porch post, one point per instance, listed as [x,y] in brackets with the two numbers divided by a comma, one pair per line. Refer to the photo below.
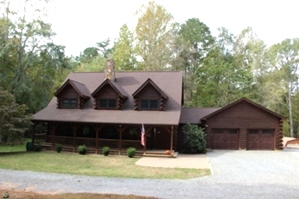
[53,134]
[33,132]
[120,140]
[75,136]
[171,139]
[97,138]
[145,142]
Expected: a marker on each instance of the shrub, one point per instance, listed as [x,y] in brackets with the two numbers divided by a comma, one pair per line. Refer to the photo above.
[58,148]
[105,150]
[131,152]
[37,148]
[195,141]
[82,149]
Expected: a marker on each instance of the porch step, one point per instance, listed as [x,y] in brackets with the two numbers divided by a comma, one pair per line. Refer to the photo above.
[160,155]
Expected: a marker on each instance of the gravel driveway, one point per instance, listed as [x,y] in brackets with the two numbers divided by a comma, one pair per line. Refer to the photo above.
[236,174]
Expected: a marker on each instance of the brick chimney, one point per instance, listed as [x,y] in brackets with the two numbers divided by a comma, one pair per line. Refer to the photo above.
[110,70]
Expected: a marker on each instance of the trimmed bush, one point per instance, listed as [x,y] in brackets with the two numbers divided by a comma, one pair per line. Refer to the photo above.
[82,149]
[195,141]
[131,152]
[37,148]
[105,150]
[58,148]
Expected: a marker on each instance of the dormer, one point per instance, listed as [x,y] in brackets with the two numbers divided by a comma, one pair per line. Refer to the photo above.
[149,97]
[109,95]
[72,95]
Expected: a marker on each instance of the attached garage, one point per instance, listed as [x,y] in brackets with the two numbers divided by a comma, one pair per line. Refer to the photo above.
[243,125]
[259,139]
[225,138]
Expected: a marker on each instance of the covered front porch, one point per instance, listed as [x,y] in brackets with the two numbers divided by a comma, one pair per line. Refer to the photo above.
[118,137]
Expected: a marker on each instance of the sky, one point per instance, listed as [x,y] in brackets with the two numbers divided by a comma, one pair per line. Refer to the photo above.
[80,24]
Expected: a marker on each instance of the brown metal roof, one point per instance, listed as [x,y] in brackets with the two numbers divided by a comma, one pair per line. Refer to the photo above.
[149,81]
[240,101]
[129,82]
[194,115]
[79,87]
[116,87]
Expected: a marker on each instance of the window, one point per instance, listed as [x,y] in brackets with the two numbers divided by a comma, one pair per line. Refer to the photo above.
[69,103]
[107,103]
[253,131]
[268,131]
[149,104]
[232,131]
[218,131]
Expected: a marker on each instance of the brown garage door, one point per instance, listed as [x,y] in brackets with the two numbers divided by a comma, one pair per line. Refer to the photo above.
[260,139]
[225,139]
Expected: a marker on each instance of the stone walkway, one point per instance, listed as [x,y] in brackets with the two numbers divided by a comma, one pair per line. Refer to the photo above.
[190,161]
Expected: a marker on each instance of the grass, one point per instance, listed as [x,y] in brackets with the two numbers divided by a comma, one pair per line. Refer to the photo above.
[92,165]
[14,148]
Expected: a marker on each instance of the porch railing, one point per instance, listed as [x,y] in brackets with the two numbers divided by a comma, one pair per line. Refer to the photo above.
[92,142]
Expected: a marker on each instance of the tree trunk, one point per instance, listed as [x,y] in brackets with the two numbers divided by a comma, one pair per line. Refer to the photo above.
[290,110]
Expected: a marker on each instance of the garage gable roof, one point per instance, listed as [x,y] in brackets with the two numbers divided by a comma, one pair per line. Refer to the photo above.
[240,101]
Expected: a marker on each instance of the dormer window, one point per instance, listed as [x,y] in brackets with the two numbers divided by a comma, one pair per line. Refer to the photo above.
[72,95]
[149,104]
[69,103]
[106,104]
[109,95]
[149,97]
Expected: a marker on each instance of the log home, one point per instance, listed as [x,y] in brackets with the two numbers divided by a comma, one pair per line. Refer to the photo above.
[108,109]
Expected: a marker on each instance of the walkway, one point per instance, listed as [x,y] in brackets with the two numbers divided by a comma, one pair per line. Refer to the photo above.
[190,161]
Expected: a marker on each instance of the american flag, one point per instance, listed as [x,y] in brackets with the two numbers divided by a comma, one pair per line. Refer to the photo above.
[142,135]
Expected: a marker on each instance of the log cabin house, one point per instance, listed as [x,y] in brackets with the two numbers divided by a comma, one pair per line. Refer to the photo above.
[108,108]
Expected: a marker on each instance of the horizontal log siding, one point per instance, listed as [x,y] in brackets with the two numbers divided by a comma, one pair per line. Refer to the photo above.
[244,116]
[69,93]
[149,92]
[107,93]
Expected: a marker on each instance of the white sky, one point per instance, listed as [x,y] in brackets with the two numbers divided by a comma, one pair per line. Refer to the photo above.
[80,24]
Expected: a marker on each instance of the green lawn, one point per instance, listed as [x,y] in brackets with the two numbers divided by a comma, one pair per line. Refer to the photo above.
[93,165]
[15,148]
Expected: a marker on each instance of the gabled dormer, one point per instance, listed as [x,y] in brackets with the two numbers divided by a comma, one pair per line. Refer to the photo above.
[149,97]
[72,95]
[109,95]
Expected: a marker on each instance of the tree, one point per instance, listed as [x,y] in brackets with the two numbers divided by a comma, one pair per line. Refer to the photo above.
[285,60]
[123,54]
[14,121]
[29,59]
[105,49]
[154,36]
[198,38]
[221,78]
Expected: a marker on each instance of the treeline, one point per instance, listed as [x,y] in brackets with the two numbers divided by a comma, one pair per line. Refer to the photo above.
[217,69]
